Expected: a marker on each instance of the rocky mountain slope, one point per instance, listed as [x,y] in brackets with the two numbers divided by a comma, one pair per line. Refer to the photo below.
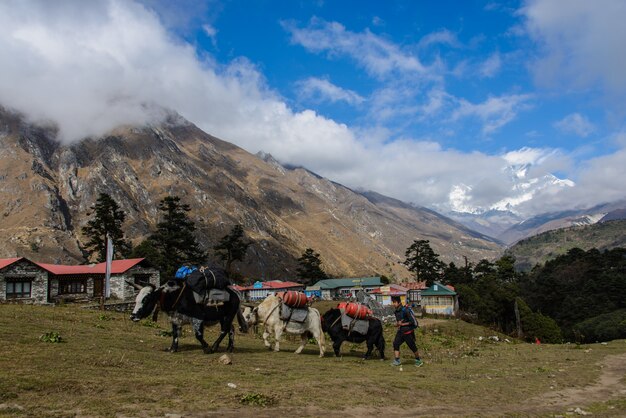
[565,219]
[48,188]
[547,245]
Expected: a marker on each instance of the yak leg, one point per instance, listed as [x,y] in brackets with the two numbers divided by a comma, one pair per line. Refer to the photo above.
[318,334]
[304,338]
[198,330]
[266,336]
[370,347]
[381,346]
[176,333]
[223,333]
[278,332]
[231,340]
[337,346]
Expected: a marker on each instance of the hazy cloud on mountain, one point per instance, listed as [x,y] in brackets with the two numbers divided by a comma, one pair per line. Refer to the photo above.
[90,66]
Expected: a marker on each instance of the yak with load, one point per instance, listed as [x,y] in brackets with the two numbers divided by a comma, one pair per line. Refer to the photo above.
[182,304]
[354,323]
[288,313]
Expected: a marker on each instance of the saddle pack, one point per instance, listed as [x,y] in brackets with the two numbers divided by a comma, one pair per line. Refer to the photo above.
[354,317]
[208,284]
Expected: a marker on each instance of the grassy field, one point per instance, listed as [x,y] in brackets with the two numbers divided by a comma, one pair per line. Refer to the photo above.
[106,365]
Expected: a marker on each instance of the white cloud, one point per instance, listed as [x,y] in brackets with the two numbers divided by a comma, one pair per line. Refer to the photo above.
[442,37]
[211,32]
[90,66]
[576,124]
[494,112]
[491,66]
[318,88]
[581,43]
[378,56]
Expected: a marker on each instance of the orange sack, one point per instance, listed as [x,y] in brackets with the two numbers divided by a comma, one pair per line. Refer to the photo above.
[295,299]
[358,311]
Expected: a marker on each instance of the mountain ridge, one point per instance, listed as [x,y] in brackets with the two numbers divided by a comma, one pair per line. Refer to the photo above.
[283,210]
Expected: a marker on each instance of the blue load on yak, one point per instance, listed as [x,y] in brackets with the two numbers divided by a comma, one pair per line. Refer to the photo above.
[207,283]
[184,271]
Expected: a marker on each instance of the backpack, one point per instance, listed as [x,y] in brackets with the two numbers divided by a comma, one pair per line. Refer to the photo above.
[410,316]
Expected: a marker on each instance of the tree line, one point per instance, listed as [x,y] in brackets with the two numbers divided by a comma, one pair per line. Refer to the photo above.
[174,242]
[579,296]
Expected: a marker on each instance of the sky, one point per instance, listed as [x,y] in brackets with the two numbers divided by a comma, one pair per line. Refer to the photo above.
[465,106]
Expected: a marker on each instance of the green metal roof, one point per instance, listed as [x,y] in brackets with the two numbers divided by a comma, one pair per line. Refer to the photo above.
[350,282]
[438,289]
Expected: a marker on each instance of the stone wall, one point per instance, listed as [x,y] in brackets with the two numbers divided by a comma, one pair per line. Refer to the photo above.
[24,270]
[45,286]
[123,291]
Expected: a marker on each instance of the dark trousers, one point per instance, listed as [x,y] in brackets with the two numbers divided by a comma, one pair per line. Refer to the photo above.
[408,338]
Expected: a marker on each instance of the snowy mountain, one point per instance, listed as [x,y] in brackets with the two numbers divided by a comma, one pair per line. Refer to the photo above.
[494,219]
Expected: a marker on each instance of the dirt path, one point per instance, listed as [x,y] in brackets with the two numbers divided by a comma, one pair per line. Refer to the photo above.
[609,385]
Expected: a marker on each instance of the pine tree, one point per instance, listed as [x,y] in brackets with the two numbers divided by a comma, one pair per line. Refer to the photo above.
[174,239]
[310,270]
[232,247]
[107,219]
[423,262]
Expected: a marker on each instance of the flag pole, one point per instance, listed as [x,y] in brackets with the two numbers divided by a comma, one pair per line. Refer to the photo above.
[106,292]
[109,261]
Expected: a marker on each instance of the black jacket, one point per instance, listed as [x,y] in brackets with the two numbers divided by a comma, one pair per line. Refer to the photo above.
[403,315]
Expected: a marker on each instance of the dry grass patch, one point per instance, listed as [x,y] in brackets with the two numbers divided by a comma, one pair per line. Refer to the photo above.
[106,365]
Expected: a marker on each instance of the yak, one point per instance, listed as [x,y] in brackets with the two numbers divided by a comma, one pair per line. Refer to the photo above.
[331,324]
[178,302]
[267,314]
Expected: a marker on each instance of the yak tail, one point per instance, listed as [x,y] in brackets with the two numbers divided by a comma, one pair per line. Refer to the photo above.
[155,313]
[243,325]
[381,344]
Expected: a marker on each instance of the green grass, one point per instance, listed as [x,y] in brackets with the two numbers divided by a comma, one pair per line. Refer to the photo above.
[106,365]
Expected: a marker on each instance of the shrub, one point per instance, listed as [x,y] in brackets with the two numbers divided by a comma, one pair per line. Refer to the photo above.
[536,325]
[257,399]
[51,337]
[606,327]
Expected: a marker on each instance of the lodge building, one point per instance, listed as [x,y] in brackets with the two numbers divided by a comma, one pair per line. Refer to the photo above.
[25,281]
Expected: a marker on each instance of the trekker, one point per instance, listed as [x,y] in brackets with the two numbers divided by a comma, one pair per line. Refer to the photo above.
[406,323]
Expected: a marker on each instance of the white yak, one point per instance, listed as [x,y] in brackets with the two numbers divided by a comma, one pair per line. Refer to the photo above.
[267,315]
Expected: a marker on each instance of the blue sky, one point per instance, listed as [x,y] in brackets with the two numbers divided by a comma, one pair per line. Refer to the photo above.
[428,102]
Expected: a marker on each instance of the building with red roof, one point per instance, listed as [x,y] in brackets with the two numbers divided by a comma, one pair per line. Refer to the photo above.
[260,290]
[22,280]
[414,292]
[384,293]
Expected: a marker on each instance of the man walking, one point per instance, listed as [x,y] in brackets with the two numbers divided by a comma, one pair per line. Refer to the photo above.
[406,323]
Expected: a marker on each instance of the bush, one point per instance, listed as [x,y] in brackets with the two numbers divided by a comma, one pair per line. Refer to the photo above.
[606,327]
[536,325]
[51,337]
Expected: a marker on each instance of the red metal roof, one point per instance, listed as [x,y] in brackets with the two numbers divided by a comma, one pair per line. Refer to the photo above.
[8,261]
[117,267]
[394,290]
[414,285]
[275,284]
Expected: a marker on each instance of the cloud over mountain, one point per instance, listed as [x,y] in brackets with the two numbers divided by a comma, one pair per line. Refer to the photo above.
[90,66]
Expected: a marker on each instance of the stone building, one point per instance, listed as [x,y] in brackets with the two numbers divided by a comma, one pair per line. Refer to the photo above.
[22,280]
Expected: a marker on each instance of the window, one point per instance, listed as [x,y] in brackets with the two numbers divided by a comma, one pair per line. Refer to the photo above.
[72,286]
[18,289]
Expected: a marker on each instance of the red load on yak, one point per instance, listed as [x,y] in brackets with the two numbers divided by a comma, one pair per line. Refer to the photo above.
[357,311]
[295,299]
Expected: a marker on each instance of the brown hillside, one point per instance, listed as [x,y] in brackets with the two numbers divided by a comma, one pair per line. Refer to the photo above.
[48,189]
